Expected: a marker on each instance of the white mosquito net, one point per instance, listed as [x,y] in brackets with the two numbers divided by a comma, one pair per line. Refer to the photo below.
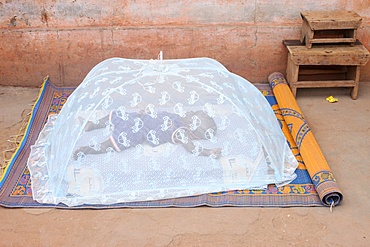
[138,130]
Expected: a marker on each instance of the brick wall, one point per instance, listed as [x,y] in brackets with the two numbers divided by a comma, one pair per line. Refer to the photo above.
[66,38]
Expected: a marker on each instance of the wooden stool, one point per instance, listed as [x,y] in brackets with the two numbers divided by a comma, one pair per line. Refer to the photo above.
[329,27]
[325,65]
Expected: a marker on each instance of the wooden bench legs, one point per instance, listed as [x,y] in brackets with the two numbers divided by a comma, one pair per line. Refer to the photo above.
[295,71]
[292,75]
[355,73]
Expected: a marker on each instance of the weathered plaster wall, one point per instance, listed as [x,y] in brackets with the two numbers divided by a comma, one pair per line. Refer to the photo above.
[66,38]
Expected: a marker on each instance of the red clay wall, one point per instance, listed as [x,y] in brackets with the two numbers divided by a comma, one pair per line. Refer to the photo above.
[66,38]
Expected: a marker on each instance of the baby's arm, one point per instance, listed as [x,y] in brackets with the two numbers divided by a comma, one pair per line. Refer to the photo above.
[89,150]
[190,147]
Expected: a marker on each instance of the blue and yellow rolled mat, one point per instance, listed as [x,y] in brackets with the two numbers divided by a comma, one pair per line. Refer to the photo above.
[315,162]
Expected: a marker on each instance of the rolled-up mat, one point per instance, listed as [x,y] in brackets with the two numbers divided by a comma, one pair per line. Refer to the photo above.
[316,165]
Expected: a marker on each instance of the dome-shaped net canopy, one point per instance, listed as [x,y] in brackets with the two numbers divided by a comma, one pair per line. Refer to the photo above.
[138,130]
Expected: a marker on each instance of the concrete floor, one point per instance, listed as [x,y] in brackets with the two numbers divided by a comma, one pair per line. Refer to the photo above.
[342,130]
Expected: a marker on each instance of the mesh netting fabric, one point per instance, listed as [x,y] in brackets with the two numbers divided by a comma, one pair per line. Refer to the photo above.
[137,130]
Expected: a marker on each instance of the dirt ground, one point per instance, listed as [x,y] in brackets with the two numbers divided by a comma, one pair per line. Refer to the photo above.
[343,132]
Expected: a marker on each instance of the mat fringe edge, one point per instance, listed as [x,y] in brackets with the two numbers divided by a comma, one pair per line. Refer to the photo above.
[17,144]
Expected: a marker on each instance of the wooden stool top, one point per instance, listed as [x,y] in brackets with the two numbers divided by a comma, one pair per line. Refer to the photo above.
[324,20]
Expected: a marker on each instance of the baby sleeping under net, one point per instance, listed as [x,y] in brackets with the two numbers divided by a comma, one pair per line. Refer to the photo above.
[139,130]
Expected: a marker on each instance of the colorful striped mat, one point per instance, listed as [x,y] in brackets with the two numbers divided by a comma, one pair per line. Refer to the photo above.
[315,163]
[314,185]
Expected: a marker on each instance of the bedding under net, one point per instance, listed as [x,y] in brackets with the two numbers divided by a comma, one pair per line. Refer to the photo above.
[137,130]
